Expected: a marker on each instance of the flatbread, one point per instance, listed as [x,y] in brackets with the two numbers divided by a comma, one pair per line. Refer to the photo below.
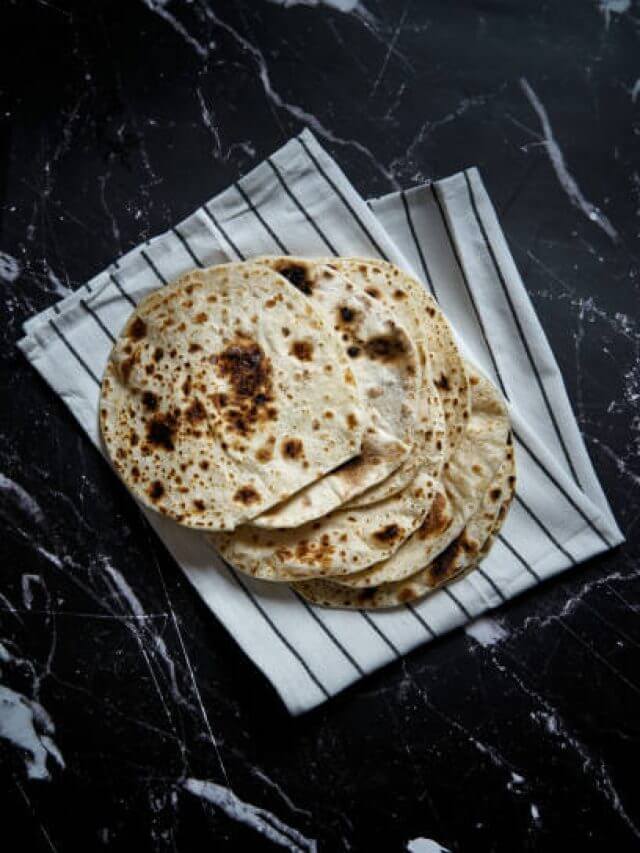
[462,555]
[466,476]
[344,541]
[369,545]
[385,363]
[445,383]
[225,393]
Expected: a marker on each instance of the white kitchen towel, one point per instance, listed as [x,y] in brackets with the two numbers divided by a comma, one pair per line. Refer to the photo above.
[299,202]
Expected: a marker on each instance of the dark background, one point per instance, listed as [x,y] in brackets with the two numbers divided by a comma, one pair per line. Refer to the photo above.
[118,119]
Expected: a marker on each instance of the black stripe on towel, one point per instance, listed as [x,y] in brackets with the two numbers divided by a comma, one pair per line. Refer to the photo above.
[494,586]
[500,277]
[277,631]
[153,268]
[490,351]
[380,633]
[121,289]
[457,602]
[302,209]
[74,353]
[188,248]
[421,620]
[97,320]
[414,236]
[538,462]
[546,530]
[261,219]
[354,663]
[518,556]
[454,249]
[343,199]
[219,227]
[562,491]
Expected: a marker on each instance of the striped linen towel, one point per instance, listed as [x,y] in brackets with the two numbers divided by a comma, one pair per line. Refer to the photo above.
[299,202]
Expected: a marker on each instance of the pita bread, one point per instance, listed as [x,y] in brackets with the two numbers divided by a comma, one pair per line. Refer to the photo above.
[445,392]
[385,363]
[460,557]
[466,476]
[225,393]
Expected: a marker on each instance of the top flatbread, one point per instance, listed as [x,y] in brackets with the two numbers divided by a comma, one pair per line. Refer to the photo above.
[385,363]
[226,393]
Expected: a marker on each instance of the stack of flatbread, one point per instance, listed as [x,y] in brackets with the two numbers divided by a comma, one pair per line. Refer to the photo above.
[317,420]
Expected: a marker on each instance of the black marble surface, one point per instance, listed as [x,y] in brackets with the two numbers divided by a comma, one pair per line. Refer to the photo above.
[117,120]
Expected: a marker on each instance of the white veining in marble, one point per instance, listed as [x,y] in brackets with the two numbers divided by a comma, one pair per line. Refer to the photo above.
[391,46]
[26,724]
[593,767]
[113,221]
[9,268]
[122,588]
[160,8]
[573,601]
[276,99]
[566,179]
[516,781]
[622,465]
[58,287]
[259,819]
[613,7]
[286,799]
[22,498]
[208,119]
[338,5]
[408,164]
[28,581]
[425,845]
[294,110]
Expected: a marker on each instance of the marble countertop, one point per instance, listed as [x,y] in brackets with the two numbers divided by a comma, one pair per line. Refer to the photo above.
[129,719]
